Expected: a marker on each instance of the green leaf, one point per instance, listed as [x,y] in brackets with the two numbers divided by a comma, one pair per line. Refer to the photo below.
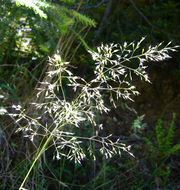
[174,149]
[44,48]
[35,5]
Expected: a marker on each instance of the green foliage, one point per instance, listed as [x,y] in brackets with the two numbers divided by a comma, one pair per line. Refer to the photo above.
[26,38]
[162,150]
[164,139]
[156,19]
[36,5]
[83,19]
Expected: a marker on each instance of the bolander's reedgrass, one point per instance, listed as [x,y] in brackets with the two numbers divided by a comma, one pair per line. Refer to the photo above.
[116,66]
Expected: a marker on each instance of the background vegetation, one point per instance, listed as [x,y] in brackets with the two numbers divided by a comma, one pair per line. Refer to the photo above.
[32,31]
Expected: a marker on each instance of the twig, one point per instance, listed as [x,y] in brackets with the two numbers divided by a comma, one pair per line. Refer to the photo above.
[94,6]
[146,19]
[85,7]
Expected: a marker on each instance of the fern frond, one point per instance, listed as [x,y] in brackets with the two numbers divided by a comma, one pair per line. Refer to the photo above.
[80,18]
[61,16]
[83,19]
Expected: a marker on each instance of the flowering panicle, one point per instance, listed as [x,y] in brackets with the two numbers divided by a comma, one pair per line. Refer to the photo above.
[115,67]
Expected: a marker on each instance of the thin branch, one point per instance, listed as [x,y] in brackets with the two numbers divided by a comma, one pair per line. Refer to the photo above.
[94,6]
[146,19]
[85,7]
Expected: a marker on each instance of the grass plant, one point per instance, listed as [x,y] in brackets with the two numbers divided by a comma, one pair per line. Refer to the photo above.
[60,115]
